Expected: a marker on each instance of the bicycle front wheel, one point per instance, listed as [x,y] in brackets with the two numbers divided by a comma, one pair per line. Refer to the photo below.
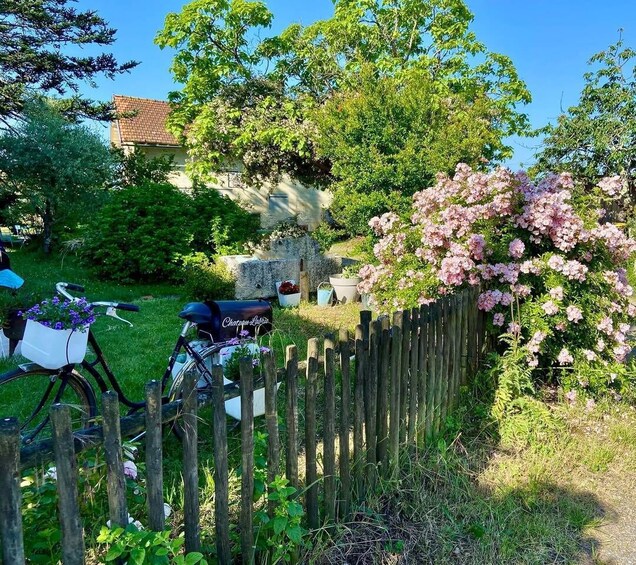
[29,391]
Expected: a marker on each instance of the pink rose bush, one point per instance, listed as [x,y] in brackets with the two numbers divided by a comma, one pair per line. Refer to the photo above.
[543,261]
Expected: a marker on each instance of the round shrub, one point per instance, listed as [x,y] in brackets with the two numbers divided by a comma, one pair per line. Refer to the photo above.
[205,280]
[138,234]
[220,225]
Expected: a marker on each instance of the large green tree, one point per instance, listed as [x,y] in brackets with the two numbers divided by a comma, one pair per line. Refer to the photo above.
[270,103]
[35,37]
[597,136]
[53,167]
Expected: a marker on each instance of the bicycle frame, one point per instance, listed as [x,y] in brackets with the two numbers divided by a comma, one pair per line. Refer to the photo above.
[110,381]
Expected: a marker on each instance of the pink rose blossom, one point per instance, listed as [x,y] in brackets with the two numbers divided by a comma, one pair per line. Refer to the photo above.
[574,314]
[550,308]
[565,357]
[516,248]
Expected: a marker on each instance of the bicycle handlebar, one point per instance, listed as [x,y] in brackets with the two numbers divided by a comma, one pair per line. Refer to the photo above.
[128,307]
[62,287]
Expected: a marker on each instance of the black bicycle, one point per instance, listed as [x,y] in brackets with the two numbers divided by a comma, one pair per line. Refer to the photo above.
[29,390]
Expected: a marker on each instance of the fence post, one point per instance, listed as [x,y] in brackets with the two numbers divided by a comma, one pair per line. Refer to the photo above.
[67,479]
[271,422]
[465,309]
[329,440]
[371,390]
[384,376]
[404,373]
[394,408]
[447,366]
[457,365]
[414,373]
[247,459]
[439,363]
[190,463]
[114,464]
[311,474]
[431,365]
[154,457]
[221,487]
[10,513]
[472,334]
[345,423]
[291,388]
[358,413]
[422,381]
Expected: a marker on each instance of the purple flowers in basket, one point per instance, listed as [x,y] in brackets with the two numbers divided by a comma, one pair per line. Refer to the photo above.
[58,314]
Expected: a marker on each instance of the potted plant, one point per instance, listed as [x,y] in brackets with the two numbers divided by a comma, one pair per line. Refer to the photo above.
[345,285]
[288,294]
[56,332]
[12,304]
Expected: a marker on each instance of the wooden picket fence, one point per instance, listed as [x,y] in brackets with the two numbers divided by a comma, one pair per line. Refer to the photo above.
[393,397]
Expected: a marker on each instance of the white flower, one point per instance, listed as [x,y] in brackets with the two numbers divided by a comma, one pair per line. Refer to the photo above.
[130,470]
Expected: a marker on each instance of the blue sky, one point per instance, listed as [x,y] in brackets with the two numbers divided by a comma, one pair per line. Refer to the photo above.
[549,42]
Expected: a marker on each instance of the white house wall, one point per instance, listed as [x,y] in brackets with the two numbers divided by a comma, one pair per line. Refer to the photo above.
[274,204]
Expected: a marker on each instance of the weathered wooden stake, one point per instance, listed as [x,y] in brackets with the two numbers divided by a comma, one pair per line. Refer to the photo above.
[371,390]
[271,417]
[439,364]
[247,459]
[291,387]
[358,414]
[414,374]
[329,441]
[384,378]
[311,473]
[431,366]
[67,479]
[190,463]
[304,286]
[394,408]
[423,377]
[221,486]
[404,373]
[345,424]
[154,457]
[10,501]
[114,463]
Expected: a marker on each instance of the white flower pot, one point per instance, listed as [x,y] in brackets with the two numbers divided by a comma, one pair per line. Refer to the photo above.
[289,300]
[51,348]
[345,288]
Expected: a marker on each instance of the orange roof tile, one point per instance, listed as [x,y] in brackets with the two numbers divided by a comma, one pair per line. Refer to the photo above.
[148,126]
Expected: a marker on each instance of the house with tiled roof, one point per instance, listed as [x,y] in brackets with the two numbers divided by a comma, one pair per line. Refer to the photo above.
[143,125]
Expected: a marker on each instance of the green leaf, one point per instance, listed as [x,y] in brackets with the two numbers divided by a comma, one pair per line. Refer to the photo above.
[192,558]
[138,556]
[280,523]
[295,534]
[113,553]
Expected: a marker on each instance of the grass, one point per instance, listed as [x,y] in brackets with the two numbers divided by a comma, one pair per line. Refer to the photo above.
[489,495]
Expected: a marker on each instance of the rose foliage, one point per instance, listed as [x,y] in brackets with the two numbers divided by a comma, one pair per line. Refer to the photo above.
[549,272]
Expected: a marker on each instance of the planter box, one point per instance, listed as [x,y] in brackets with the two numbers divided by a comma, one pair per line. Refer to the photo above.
[51,348]
[289,300]
[346,289]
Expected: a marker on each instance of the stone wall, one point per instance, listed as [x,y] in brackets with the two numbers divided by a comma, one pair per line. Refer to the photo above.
[256,277]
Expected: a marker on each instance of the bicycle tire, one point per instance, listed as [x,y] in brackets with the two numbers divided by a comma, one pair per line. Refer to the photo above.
[23,394]
[203,384]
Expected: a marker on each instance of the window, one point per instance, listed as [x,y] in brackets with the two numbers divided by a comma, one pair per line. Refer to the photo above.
[279,205]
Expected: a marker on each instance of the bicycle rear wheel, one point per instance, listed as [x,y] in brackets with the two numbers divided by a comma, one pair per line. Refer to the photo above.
[29,391]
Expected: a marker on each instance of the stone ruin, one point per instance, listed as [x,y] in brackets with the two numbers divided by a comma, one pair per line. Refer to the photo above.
[256,275]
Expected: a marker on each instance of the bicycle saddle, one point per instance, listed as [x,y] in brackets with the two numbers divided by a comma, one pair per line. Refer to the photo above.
[197,313]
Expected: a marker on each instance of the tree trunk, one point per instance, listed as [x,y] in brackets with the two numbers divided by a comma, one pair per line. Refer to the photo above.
[47,220]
